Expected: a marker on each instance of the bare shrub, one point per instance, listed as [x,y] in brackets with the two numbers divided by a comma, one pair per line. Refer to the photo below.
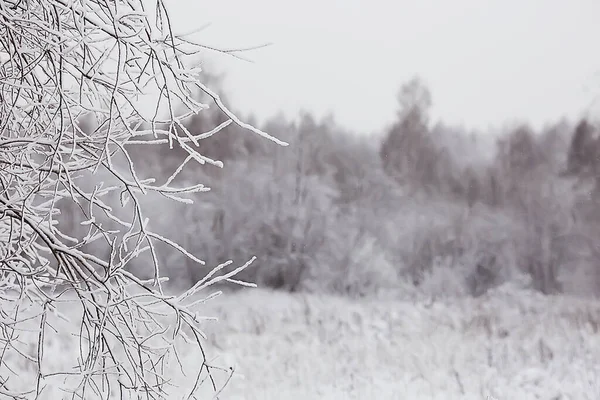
[472,245]
[59,61]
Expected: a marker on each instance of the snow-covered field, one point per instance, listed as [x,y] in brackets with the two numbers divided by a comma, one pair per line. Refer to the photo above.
[505,345]
[502,346]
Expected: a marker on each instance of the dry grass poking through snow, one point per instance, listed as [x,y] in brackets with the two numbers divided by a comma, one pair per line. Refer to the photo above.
[506,345]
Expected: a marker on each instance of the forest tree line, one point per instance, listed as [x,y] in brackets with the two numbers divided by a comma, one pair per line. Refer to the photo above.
[421,206]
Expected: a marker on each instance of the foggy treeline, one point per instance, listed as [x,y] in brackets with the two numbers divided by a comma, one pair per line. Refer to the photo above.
[420,208]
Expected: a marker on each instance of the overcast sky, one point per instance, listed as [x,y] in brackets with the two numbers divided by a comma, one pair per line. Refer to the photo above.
[486,62]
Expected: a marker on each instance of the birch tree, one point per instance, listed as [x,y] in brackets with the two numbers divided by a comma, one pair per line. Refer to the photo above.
[61,60]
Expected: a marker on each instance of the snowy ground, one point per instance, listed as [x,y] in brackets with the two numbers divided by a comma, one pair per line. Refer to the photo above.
[506,345]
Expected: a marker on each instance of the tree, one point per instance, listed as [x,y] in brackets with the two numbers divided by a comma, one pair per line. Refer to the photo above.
[415,101]
[60,61]
[408,152]
[582,152]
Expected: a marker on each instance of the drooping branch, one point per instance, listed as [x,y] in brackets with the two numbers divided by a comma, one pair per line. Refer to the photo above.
[60,61]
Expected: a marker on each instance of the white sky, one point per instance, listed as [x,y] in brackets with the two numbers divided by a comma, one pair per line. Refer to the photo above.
[486,62]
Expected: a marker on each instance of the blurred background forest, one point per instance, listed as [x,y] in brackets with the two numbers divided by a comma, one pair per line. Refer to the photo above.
[420,208]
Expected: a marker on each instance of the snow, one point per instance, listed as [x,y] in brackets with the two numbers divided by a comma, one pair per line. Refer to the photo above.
[505,346]
[509,344]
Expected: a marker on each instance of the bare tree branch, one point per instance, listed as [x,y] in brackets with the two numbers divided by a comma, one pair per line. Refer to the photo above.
[59,61]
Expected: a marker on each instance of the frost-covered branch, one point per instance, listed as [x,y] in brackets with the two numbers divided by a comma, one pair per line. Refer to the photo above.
[61,60]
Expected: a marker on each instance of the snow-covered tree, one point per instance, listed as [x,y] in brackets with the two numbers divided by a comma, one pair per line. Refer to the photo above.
[60,61]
